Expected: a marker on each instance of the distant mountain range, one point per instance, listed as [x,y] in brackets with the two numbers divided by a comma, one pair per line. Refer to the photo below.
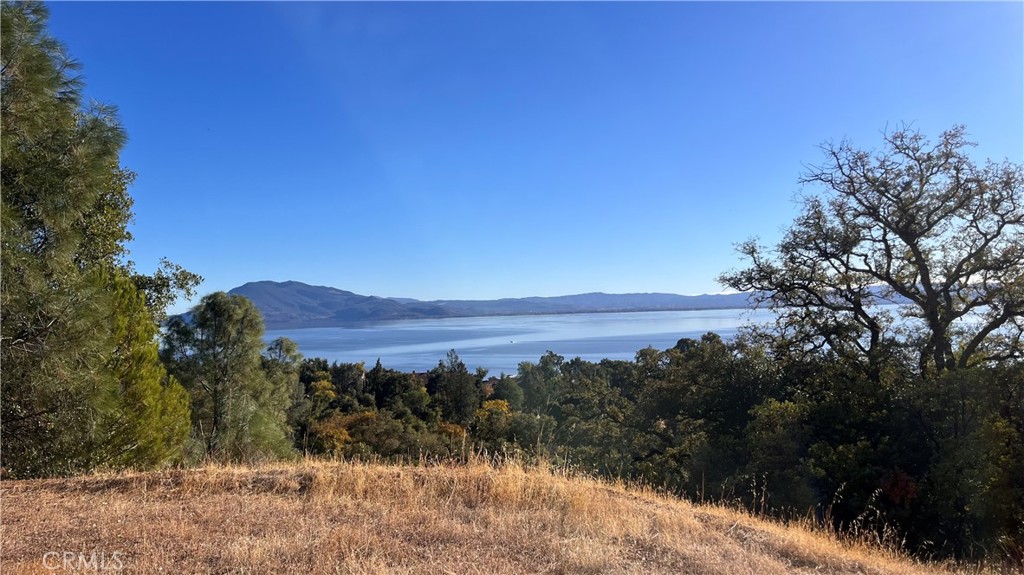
[290,305]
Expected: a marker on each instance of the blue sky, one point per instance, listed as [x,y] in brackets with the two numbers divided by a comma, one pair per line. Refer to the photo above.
[485,150]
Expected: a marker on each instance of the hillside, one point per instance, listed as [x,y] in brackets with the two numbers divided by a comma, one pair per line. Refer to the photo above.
[297,305]
[318,517]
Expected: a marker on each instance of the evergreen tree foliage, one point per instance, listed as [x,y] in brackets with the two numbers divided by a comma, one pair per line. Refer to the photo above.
[507,389]
[240,398]
[82,385]
[145,417]
[456,391]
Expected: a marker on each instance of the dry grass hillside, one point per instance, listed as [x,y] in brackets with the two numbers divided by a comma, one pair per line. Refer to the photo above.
[319,517]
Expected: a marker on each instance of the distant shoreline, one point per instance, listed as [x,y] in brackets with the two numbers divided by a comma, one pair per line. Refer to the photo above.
[273,326]
[296,305]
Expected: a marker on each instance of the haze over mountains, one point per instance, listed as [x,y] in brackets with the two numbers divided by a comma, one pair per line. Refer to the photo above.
[291,305]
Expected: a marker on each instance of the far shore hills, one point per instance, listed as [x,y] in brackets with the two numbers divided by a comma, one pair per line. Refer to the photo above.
[295,305]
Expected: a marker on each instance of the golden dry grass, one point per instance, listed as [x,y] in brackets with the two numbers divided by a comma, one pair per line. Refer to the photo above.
[339,517]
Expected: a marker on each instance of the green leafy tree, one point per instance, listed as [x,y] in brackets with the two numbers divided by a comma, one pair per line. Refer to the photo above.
[913,223]
[595,420]
[402,394]
[541,383]
[281,362]
[506,388]
[777,441]
[350,383]
[491,423]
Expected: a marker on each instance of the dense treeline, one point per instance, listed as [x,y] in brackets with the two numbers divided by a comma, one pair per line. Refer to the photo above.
[902,422]
[939,466]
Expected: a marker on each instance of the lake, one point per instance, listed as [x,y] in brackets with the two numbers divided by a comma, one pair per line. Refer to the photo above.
[499,344]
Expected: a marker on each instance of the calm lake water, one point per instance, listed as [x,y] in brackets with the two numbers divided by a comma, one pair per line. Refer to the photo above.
[499,344]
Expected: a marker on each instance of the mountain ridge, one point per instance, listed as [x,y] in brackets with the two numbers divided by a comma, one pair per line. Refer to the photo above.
[293,304]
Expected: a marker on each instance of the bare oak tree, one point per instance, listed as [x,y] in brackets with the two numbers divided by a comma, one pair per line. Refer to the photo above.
[914,224]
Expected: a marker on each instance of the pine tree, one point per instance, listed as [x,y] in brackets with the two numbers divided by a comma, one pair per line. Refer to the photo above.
[240,398]
[82,383]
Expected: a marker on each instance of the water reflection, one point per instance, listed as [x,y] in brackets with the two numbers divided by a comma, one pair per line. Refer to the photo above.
[499,344]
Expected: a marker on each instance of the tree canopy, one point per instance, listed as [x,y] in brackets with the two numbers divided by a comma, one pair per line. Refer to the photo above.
[914,223]
[240,397]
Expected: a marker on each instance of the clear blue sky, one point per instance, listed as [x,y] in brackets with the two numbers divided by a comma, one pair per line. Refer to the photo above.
[484,150]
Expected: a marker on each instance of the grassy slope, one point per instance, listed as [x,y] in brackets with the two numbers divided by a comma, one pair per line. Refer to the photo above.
[319,517]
